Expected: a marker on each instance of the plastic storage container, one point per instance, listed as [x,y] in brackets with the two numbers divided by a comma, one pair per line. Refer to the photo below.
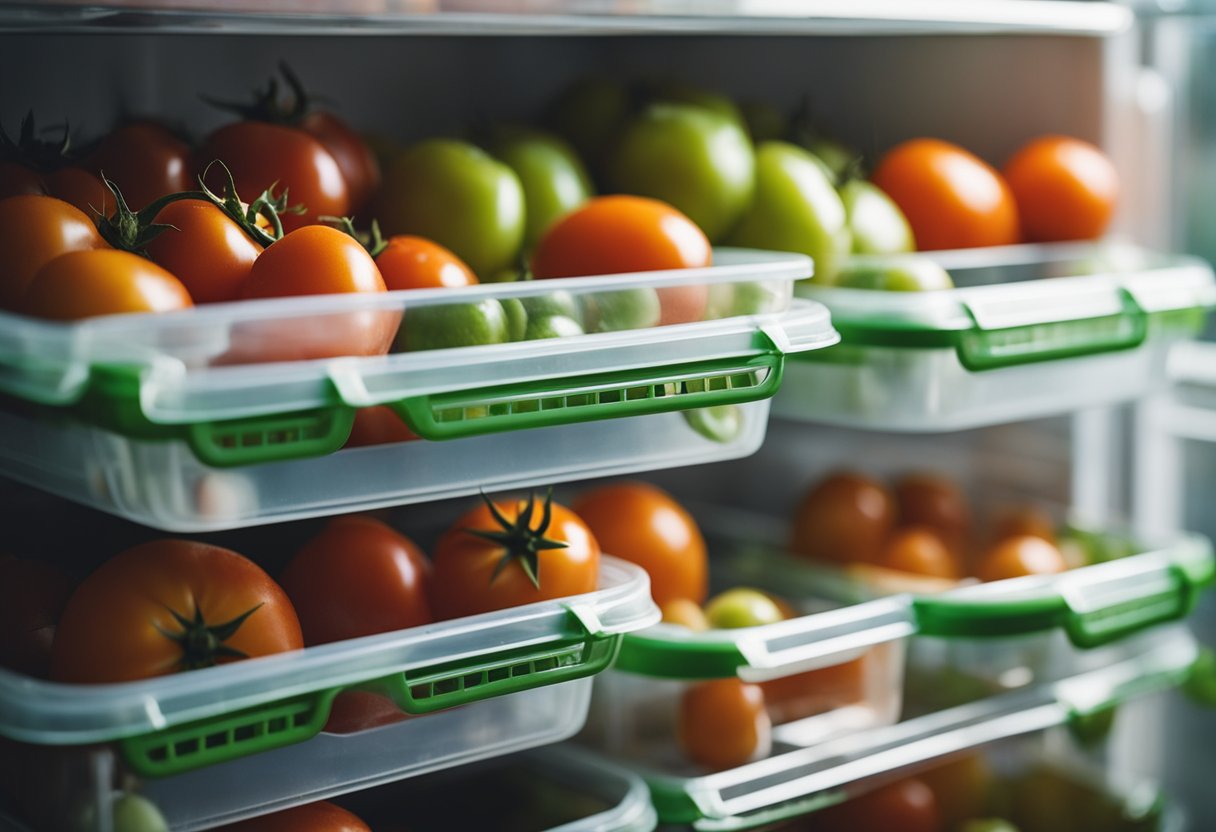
[796,781]
[1029,331]
[217,744]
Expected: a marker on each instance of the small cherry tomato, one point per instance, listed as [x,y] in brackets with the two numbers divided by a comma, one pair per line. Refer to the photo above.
[951,198]
[1014,557]
[32,597]
[505,554]
[723,724]
[205,249]
[919,550]
[84,284]
[1066,189]
[409,262]
[145,160]
[845,518]
[643,524]
[358,577]
[34,230]
[312,817]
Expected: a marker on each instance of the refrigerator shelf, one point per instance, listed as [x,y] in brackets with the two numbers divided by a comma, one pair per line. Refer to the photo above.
[1029,331]
[180,723]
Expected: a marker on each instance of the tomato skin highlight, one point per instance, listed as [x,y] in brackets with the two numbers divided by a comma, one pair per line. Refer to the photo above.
[145,160]
[259,155]
[643,524]
[951,198]
[1066,189]
[205,249]
[35,230]
[113,628]
[463,581]
[410,262]
[312,817]
[358,577]
[86,284]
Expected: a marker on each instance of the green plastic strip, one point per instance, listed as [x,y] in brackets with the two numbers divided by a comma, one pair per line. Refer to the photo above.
[598,396]
[665,658]
[424,690]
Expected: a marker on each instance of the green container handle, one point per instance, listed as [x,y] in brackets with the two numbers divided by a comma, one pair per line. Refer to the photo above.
[1096,619]
[560,401]
[993,349]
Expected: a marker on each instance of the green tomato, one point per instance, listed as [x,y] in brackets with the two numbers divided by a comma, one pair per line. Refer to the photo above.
[742,608]
[589,113]
[555,303]
[552,326]
[697,160]
[753,298]
[454,325]
[517,318]
[988,825]
[460,197]
[878,226]
[795,209]
[721,423]
[133,813]
[672,92]
[554,179]
[897,274]
[625,309]
[764,121]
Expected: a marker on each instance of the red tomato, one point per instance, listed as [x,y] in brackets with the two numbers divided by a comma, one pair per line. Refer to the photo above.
[951,198]
[34,230]
[723,724]
[205,249]
[919,550]
[1066,189]
[409,262]
[378,425]
[643,524]
[260,154]
[907,805]
[32,597]
[80,188]
[313,817]
[621,234]
[84,284]
[169,606]
[935,502]
[356,578]
[145,160]
[844,518]
[361,710]
[1015,557]
[470,576]
[17,180]
[355,159]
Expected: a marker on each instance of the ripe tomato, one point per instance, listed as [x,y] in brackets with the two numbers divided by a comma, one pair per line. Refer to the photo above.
[621,234]
[356,578]
[907,805]
[1023,520]
[17,179]
[505,554]
[378,426]
[723,724]
[1066,189]
[408,262]
[361,710]
[145,160]
[355,159]
[168,606]
[643,524]
[312,817]
[1014,557]
[951,198]
[919,550]
[32,597]
[934,502]
[811,692]
[81,188]
[84,284]
[844,518]
[686,613]
[260,155]
[34,230]
[315,260]
[208,252]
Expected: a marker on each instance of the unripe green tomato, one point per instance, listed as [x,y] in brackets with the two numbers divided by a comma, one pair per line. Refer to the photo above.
[897,274]
[877,224]
[454,325]
[742,608]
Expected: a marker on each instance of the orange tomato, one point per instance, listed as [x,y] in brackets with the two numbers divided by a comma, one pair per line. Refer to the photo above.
[1066,189]
[723,724]
[951,198]
[34,230]
[1023,520]
[470,576]
[85,284]
[313,817]
[686,613]
[409,262]
[844,518]
[145,160]
[643,524]
[1015,557]
[816,691]
[168,606]
[919,550]
[378,425]
[358,577]
[207,251]
[621,234]
[80,188]
[935,502]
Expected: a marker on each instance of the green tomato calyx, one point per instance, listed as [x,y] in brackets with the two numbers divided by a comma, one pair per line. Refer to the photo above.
[204,645]
[31,152]
[521,543]
[267,105]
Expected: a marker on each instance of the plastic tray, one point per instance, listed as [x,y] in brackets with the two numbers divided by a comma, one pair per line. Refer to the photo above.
[262,381]
[181,723]
[796,781]
[1030,331]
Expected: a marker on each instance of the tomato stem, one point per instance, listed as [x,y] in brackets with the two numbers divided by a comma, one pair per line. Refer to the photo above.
[372,240]
[203,645]
[521,543]
[266,105]
[32,152]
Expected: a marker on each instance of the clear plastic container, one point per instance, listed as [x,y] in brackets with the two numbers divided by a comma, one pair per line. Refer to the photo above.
[797,781]
[1029,331]
[223,742]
